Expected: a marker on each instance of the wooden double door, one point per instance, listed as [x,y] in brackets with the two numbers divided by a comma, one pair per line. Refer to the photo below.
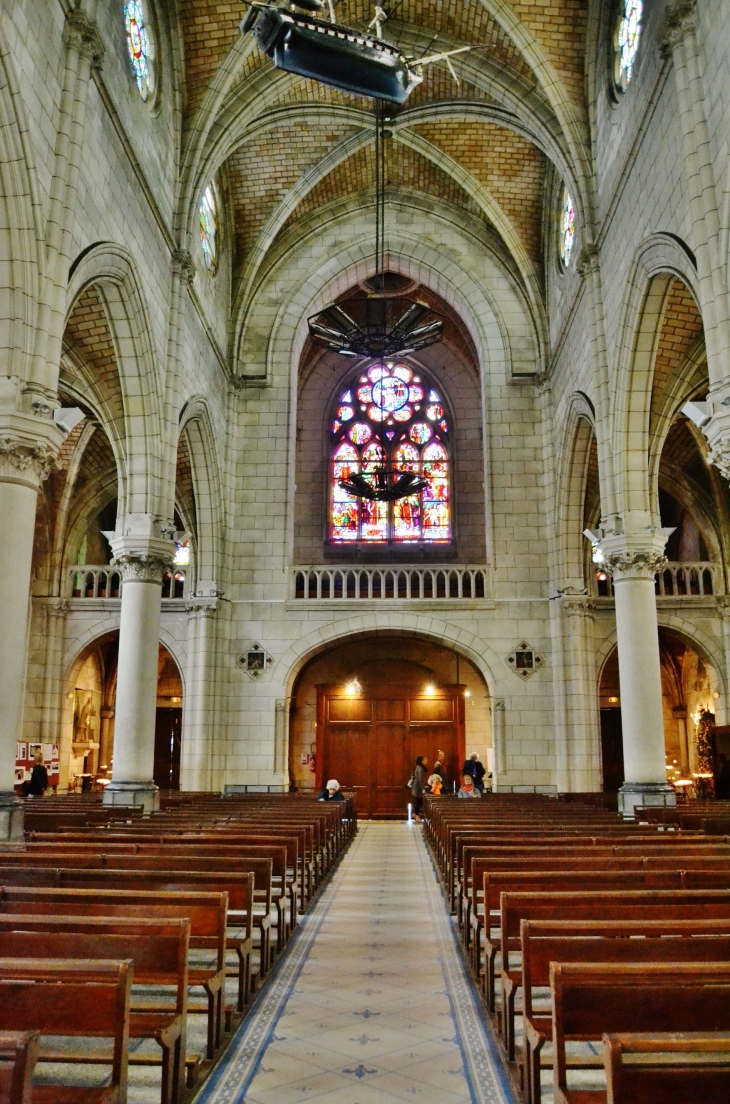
[370,743]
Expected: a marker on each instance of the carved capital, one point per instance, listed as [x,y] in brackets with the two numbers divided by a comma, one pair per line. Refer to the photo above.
[201,608]
[82,34]
[719,456]
[635,564]
[723,604]
[183,266]
[679,22]
[578,607]
[23,460]
[57,608]
[141,569]
[587,261]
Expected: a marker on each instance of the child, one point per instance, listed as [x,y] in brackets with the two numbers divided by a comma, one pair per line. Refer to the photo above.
[434,785]
[468,789]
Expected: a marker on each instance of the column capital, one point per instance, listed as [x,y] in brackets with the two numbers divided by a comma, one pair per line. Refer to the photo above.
[28,448]
[183,265]
[142,547]
[201,607]
[139,568]
[588,260]
[82,33]
[679,21]
[577,606]
[634,555]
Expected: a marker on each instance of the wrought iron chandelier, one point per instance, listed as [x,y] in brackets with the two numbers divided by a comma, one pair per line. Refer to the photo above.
[377,324]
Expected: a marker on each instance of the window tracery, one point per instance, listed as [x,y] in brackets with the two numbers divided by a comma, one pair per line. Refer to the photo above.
[390,417]
[141,46]
[567,228]
[208,227]
[626,41]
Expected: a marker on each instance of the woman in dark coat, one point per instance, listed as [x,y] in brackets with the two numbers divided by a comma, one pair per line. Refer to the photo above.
[418,785]
[39,777]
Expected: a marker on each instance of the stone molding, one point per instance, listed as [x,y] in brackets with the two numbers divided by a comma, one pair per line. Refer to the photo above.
[201,607]
[138,568]
[578,607]
[588,261]
[23,460]
[679,22]
[82,34]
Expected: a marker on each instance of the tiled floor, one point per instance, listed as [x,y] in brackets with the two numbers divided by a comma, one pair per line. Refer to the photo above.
[372,1004]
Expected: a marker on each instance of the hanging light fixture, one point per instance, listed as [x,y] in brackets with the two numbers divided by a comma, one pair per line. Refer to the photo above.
[377,324]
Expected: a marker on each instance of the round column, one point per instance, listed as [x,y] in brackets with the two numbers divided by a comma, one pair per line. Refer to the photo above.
[642,718]
[24,462]
[136,700]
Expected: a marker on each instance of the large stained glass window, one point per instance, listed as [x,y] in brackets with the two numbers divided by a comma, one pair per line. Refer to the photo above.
[390,416]
[626,42]
[141,46]
[208,225]
[567,228]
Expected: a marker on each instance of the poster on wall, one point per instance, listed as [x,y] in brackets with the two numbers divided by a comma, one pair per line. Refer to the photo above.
[24,758]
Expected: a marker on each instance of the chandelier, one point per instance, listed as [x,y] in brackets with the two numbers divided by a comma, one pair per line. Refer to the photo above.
[377,324]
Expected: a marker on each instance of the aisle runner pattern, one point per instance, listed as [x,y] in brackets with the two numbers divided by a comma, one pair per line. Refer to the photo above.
[373,1004]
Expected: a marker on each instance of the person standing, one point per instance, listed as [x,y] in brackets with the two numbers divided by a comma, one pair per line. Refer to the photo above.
[474,767]
[418,785]
[39,776]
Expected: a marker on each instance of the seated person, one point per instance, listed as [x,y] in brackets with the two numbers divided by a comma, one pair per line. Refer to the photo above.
[434,784]
[468,789]
[331,792]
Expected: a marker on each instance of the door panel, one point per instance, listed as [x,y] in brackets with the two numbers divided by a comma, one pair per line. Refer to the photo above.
[389,768]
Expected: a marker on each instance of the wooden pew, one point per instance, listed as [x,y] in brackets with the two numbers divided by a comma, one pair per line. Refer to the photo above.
[579,908]
[564,881]
[593,999]
[70,998]
[18,1056]
[699,1078]
[158,951]
[545,942]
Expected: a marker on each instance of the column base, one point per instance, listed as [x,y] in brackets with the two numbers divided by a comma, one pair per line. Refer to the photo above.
[12,815]
[633,794]
[146,794]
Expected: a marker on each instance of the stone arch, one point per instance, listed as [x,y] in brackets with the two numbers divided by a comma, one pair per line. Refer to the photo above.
[659,260]
[112,270]
[23,252]
[573,461]
[195,423]
[424,625]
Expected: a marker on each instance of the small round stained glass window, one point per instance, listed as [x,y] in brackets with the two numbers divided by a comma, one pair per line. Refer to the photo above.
[626,41]
[567,228]
[141,46]
[208,226]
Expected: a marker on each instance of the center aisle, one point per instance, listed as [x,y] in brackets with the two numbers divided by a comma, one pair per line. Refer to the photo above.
[373,1002]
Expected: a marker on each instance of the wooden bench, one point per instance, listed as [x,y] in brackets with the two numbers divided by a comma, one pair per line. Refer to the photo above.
[70,998]
[578,908]
[18,1056]
[545,942]
[158,950]
[703,1077]
[590,1000]
[561,881]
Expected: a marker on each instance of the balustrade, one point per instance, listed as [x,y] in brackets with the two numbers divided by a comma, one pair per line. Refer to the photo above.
[105,581]
[377,583]
[678,580]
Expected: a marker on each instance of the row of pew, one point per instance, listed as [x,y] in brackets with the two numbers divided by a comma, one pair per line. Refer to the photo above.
[130,941]
[601,947]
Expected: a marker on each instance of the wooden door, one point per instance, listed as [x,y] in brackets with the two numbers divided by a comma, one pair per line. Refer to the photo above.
[612,750]
[369,744]
[168,729]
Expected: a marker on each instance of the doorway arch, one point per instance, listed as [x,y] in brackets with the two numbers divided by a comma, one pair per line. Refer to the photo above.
[690,685]
[365,707]
[87,725]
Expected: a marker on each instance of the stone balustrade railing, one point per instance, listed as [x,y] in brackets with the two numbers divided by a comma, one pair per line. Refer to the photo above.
[407,582]
[678,580]
[105,581]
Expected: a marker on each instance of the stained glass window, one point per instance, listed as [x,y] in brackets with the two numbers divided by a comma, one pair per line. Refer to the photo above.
[626,42]
[208,223]
[393,429]
[182,555]
[567,228]
[141,46]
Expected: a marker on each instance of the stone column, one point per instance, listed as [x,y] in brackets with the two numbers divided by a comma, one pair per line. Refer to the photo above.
[633,560]
[136,701]
[500,744]
[584,742]
[106,715]
[56,611]
[28,448]
[197,744]
[680,715]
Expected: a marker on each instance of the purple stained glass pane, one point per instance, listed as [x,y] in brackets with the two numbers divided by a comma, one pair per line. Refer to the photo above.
[336,425]
[444,425]
[390,434]
[365,393]
[415,393]
[360,433]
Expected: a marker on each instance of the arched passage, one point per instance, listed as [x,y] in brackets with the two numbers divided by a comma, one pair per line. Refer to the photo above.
[86,748]
[362,710]
[690,686]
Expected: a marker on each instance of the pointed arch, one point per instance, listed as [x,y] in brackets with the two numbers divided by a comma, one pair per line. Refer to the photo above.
[196,425]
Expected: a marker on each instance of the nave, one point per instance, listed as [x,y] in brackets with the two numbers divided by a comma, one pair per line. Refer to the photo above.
[374,1003]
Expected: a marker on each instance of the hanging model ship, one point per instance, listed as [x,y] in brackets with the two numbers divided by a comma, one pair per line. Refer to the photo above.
[351,60]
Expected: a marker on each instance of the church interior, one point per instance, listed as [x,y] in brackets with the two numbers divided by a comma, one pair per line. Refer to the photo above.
[365,557]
